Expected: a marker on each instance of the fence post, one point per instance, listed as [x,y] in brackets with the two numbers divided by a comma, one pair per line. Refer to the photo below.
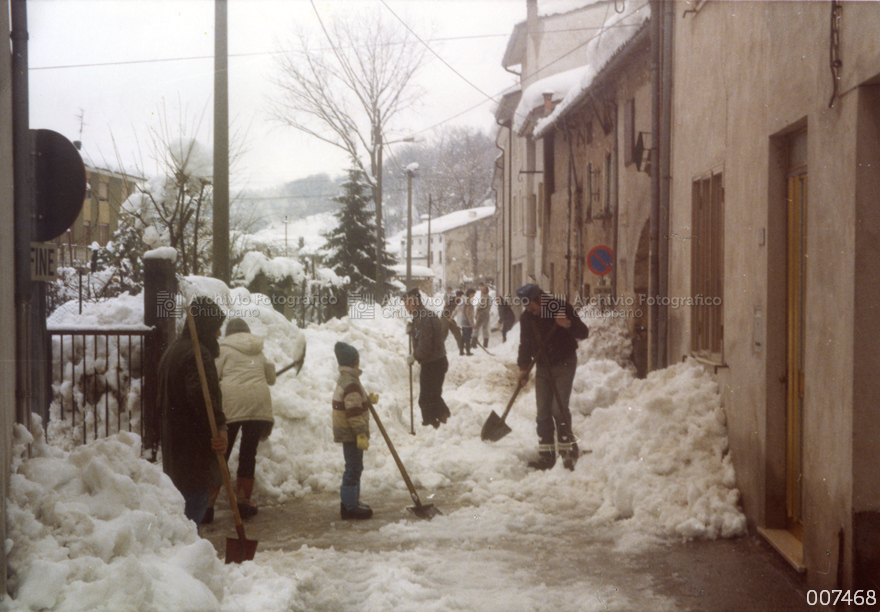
[160,294]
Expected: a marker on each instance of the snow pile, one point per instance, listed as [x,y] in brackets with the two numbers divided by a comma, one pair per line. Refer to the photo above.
[277,269]
[661,453]
[122,312]
[101,529]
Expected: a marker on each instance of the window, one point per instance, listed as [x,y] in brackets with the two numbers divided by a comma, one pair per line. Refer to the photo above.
[102,191]
[103,234]
[707,267]
[440,257]
[87,233]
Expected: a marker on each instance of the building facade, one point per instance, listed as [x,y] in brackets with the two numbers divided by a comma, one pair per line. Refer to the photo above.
[106,190]
[775,210]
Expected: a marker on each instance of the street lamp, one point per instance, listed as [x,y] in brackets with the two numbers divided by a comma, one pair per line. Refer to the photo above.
[380,233]
[411,171]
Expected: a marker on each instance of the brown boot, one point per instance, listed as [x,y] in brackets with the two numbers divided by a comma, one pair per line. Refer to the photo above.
[244,487]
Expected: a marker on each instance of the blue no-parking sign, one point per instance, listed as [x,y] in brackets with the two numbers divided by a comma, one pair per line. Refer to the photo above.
[600,260]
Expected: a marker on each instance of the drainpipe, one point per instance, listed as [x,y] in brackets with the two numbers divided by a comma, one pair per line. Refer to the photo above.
[23,178]
[654,267]
[615,242]
[665,176]
[503,284]
[510,287]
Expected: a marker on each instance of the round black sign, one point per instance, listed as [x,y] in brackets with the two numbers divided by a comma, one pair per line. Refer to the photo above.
[59,184]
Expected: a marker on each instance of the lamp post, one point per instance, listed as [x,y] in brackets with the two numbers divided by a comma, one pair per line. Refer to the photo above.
[380,233]
[411,171]
[430,254]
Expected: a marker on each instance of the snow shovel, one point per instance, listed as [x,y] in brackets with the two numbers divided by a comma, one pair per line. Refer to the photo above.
[296,364]
[424,511]
[495,428]
[238,550]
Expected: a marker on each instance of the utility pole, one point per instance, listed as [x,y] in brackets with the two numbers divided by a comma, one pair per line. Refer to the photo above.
[221,145]
[380,234]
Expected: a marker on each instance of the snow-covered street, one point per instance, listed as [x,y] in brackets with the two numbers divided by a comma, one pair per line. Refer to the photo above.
[99,528]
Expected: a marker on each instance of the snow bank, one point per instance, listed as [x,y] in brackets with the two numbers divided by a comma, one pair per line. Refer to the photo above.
[101,529]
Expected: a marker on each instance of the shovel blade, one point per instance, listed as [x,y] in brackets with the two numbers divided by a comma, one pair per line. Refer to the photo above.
[239,550]
[425,511]
[494,429]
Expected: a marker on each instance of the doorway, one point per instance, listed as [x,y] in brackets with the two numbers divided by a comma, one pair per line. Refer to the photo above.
[796,248]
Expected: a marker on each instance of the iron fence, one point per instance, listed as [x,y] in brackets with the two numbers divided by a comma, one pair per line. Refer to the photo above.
[97,380]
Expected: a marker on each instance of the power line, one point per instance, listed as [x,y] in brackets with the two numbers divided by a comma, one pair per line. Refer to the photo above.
[258,53]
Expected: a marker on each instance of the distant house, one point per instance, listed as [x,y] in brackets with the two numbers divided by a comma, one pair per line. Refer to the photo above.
[106,190]
[461,246]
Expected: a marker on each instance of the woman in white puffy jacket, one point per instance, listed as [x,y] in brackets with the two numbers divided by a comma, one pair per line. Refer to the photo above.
[245,376]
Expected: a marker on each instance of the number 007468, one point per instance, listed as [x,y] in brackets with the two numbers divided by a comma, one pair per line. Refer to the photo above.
[836,596]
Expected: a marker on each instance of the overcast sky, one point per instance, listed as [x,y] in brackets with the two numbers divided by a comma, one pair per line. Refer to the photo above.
[122,101]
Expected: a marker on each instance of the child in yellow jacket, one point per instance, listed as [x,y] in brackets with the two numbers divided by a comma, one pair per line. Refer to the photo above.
[351,428]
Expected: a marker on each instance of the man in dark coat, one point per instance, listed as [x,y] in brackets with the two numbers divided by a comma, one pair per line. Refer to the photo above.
[549,331]
[189,453]
[428,333]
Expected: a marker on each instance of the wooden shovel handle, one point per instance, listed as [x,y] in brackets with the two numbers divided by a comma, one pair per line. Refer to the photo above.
[233,503]
[409,484]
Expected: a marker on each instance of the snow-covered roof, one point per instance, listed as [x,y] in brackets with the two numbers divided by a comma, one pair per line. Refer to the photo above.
[546,8]
[556,84]
[448,222]
[619,29]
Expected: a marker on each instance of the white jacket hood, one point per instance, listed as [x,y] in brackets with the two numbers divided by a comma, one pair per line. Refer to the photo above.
[248,344]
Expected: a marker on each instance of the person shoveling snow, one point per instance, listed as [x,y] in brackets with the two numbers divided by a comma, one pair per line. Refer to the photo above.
[549,333]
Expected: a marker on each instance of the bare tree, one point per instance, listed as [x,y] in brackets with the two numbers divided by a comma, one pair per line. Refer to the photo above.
[347,95]
[455,170]
[178,203]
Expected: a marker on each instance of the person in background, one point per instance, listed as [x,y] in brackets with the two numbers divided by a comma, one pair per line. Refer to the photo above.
[351,428]
[506,316]
[465,320]
[459,317]
[481,316]
[447,314]
[245,376]
[549,330]
[189,452]
[429,349]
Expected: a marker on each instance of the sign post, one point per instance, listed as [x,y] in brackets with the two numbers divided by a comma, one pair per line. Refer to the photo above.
[600,260]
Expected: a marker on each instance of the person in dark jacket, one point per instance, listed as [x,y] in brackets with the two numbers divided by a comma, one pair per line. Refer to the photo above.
[549,331]
[429,349]
[506,316]
[189,453]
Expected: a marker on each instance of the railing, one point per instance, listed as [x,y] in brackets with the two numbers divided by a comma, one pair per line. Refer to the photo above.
[97,383]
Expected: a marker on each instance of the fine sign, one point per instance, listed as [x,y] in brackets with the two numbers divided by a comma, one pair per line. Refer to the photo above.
[44,261]
[600,260]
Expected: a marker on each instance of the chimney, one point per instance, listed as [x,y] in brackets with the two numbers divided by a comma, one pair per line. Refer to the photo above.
[531,12]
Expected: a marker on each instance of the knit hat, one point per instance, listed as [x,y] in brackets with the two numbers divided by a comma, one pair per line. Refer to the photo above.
[237,326]
[529,293]
[209,319]
[346,354]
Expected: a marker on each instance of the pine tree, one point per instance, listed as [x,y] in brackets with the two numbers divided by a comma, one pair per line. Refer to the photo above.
[352,244]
